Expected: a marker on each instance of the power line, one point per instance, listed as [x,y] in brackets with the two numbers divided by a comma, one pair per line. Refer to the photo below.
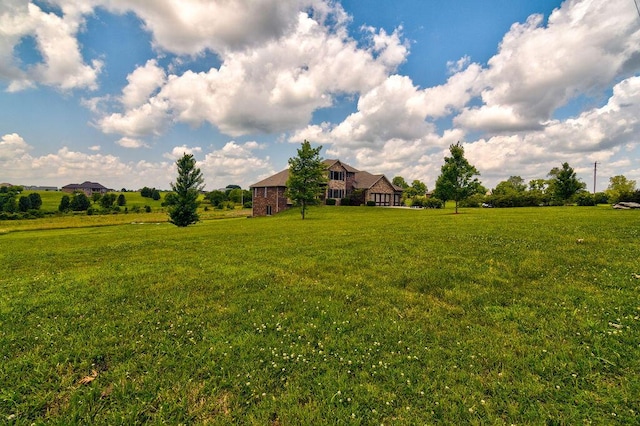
[637,8]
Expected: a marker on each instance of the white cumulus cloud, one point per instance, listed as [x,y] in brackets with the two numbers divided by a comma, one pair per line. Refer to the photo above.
[62,65]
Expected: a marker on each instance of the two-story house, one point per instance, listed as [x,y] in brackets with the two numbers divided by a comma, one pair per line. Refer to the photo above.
[343,182]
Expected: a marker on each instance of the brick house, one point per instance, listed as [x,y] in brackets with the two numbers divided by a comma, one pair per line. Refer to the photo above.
[89,188]
[344,181]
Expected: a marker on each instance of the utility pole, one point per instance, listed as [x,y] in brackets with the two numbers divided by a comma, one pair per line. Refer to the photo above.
[595,169]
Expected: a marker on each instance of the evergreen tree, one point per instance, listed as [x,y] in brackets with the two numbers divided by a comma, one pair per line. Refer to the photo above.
[65,204]
[565,183]
[36,200]
[187,186]
[24,203]
[456,181]
[307,176]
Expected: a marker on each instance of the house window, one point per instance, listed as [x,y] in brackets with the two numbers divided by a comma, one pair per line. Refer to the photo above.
[269,212]
[336,193]
[382,199]
[336,175]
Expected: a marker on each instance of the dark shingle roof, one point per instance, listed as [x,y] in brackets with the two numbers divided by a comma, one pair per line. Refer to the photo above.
[347,167]
[279,179]
[85,184]
[365,180]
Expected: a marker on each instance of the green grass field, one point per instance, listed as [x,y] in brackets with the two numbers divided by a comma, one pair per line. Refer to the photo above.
[353,316]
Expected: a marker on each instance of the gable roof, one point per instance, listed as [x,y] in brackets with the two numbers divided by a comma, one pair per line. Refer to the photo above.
[365,180]
[347,167]
[279,179]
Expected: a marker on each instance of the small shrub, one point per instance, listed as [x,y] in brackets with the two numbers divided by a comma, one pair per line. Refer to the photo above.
[631,196]
[36,213]
[601,198]
[147,209]
[433,203]
[225,205]
[248,205]
[330,201]
[345,201]
[418,201]
[371,203]
[473,201]
[585,199]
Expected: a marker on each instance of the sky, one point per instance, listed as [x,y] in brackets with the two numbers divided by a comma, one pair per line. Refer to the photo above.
[115,91]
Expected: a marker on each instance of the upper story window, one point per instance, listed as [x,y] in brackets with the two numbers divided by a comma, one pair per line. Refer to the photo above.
[333,175]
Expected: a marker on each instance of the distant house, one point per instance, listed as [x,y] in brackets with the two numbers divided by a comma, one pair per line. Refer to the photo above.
[89,188]
[40,188]
[344,182]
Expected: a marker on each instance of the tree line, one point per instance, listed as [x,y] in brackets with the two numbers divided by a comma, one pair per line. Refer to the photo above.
[458,182]
[14,206]
[96,204]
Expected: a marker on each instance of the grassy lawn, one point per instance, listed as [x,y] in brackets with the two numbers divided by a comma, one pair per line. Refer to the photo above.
[354,316]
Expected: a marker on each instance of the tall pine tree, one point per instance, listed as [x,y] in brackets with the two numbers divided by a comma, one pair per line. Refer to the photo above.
[187,186]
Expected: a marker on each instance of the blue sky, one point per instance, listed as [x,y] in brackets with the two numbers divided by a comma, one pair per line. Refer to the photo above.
[116,90]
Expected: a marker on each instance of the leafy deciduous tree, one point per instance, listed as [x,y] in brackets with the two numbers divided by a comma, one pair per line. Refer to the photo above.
[307,176]
[513,184]
[216,197]
[121,201]
[420,188]
[456,181]
[188,183]
[107,200]
[619,186]
[236,195]
[399,181]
